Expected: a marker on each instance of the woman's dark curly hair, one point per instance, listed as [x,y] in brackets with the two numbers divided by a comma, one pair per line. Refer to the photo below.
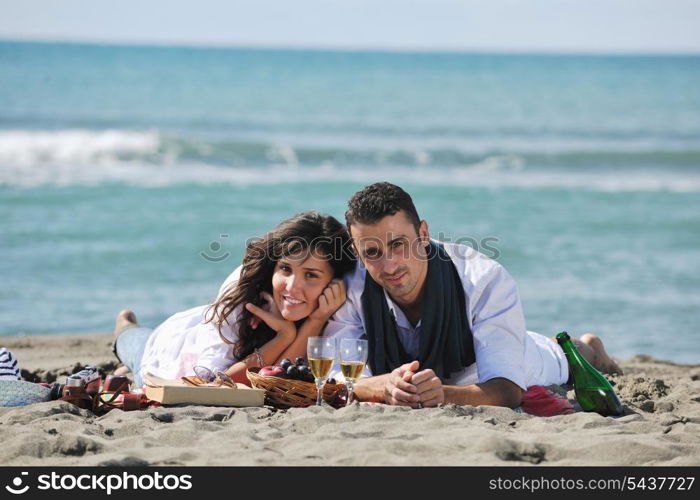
[305,232]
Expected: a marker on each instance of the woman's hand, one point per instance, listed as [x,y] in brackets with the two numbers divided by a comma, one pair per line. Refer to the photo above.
[330,300]
[271,316]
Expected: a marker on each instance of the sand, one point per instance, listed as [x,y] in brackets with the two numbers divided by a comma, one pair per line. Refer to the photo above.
[661,427]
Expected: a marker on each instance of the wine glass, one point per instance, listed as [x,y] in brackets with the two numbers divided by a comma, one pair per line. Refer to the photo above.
[353,356]
[321,353]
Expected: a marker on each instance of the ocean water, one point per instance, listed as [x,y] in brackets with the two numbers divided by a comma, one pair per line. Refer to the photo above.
[125,170]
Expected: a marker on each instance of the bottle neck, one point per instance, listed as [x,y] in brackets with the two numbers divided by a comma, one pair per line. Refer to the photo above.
[582,372]
[571,352]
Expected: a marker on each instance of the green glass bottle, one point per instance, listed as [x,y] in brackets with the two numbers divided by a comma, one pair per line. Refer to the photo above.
[593,391]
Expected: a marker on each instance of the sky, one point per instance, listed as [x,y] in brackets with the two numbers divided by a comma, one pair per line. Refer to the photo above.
[560,26]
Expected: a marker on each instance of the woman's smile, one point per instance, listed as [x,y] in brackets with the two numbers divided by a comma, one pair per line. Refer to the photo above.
[292,301]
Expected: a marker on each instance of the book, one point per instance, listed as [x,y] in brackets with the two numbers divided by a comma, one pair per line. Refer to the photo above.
[177,392]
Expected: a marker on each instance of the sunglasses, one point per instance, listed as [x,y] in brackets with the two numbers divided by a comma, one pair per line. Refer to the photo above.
[205,376]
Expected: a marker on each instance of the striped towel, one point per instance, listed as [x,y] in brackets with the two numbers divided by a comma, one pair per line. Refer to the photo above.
[9,368]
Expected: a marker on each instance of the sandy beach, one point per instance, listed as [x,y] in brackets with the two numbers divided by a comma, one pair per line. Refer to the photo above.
[661,427]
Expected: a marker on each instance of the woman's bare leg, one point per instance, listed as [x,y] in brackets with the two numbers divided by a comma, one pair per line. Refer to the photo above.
[125,319]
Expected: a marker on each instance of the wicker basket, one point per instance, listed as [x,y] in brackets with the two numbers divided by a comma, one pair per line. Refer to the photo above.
[288,393]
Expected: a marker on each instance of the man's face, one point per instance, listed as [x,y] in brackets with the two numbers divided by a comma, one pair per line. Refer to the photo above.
[394,255]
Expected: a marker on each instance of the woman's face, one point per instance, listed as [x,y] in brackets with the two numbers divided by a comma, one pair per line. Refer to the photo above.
[298,282]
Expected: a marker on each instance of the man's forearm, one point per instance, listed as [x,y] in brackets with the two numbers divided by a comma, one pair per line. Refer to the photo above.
[495,392]
[371,388]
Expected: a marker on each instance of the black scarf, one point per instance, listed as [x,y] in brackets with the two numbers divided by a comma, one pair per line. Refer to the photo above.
[446,342]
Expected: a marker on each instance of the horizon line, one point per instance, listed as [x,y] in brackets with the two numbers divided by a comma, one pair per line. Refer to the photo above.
[350,49]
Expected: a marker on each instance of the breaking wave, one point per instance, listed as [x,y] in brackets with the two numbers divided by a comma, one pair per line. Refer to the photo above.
[154,158]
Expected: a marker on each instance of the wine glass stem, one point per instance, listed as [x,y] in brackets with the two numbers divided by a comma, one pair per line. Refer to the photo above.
[319,390]
[350,393]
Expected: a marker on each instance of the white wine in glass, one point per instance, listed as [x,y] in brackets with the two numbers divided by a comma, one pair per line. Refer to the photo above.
[320,352]
[320,367]
[353,356]
[351,369]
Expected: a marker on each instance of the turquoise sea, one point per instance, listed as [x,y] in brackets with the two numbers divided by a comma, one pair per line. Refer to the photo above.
[125,171]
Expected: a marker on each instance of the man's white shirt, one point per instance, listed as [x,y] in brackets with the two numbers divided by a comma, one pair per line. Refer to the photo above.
[503,346]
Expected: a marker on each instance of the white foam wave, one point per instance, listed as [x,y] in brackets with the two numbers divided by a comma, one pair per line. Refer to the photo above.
[89,158]
[491,173]
[22,148]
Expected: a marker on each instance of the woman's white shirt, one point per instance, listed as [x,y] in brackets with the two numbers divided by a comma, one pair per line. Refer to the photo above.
[186,340]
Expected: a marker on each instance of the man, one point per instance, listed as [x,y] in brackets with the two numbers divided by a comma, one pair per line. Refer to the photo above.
[444,323]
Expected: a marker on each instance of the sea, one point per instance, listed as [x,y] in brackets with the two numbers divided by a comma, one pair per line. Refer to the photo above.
[132,176]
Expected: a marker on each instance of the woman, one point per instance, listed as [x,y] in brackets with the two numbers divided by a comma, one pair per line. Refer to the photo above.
[287,287]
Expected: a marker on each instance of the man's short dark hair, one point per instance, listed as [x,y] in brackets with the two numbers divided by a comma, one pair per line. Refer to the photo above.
[372,203]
